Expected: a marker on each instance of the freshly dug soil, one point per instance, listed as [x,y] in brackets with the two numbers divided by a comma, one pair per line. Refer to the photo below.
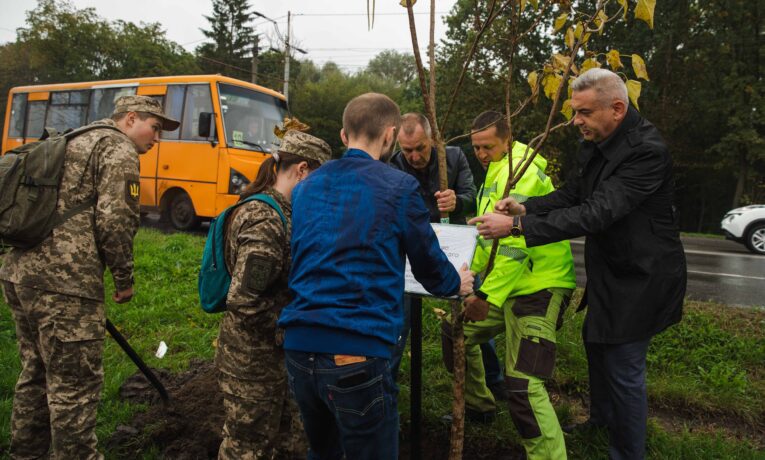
[189,427]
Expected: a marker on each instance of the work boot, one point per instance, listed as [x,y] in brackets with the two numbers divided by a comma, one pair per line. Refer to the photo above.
[473,416]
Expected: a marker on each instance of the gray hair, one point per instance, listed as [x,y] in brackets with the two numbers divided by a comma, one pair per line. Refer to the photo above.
[607,85]
[410,121]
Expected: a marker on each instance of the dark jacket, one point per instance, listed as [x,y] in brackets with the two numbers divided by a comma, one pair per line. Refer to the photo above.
[622,201]
[459,178]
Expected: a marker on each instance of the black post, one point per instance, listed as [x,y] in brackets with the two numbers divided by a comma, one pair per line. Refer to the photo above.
[415,397]
[123,343]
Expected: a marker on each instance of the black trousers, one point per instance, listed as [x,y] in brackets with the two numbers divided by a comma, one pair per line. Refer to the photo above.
[618,396]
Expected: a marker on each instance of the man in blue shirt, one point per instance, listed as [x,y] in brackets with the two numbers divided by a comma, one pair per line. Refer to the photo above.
[354,222]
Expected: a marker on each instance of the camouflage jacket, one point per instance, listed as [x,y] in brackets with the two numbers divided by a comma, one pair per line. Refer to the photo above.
[258,258]
[101,163]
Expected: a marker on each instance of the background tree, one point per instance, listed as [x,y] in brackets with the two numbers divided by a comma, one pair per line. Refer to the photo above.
[231,39]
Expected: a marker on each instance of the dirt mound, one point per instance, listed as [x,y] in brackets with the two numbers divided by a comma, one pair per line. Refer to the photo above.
[187,428]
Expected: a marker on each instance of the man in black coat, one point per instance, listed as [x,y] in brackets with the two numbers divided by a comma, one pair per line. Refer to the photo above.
[621,199]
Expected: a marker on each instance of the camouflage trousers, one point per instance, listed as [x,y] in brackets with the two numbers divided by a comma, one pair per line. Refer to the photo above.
[60,341]
[262,421]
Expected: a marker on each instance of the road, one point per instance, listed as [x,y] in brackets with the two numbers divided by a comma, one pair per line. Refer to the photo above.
[718,270]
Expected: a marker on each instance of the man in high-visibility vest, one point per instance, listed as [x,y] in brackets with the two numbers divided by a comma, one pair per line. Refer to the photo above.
[524,295]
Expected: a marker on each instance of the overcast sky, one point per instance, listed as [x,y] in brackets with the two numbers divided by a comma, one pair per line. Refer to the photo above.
[326,29]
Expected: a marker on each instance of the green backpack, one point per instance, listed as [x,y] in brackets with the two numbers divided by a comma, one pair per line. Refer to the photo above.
[29,179]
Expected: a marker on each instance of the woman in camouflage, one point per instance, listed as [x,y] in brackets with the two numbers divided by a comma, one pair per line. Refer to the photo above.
[262,420]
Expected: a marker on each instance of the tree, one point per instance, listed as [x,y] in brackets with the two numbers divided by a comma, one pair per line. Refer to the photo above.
[232,39]
[392,65]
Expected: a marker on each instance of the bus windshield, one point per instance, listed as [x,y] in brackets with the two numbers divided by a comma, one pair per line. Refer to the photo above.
[249,117]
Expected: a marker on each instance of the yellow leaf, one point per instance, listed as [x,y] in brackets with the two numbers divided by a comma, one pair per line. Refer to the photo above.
[638,65]
[560,62]
[601,19]
[523,5]
[404,2]
[613,59]
[566,110]
[570,87]
[215,343]
[591,63]
[586,37]
[551,82]
[560,21]
[624,5]
[578,31]
[535,3]
[532,79]
[440,313]
[633,91]
[569,37]
[644,11]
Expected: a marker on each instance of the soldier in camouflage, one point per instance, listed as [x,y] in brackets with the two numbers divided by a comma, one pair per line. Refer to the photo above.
[262,419]
[56,291]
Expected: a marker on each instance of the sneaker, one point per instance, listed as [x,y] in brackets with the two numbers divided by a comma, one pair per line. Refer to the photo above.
[587,425]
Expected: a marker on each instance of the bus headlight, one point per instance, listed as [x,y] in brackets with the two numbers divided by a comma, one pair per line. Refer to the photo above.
[236,182]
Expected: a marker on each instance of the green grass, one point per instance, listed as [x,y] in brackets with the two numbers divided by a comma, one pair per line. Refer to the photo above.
[714,236]
[711,365]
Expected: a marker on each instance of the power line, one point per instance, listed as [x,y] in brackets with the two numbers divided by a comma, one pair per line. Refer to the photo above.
[365,14]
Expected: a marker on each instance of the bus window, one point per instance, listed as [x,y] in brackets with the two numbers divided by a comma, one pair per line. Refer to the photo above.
[249,117]
[198,100]
[36,118]
[67,110]
[18,111]
[174,108]
[103,101]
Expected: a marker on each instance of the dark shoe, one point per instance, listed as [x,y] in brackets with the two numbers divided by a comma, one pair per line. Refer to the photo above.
[500,391]
[583,427]
[473,416]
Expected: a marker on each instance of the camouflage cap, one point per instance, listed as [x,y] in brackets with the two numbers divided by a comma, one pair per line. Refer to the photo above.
[305,145]
[148,105]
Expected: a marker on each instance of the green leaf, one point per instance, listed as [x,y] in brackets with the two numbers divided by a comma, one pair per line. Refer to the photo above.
[560,21]
[638,65]
[613,59]
[644,11]
[633,91]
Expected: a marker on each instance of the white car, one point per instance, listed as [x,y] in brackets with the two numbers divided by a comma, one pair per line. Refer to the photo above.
[746,225]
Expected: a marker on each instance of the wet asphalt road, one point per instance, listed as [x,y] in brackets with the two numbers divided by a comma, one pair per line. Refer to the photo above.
[718,270]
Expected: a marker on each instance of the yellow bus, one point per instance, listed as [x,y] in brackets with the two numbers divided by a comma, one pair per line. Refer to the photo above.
[196,171]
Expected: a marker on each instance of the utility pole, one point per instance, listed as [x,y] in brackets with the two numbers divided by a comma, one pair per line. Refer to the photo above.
[287,58]
[254,69]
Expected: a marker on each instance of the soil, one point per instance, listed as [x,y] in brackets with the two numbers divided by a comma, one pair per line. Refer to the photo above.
[189,426]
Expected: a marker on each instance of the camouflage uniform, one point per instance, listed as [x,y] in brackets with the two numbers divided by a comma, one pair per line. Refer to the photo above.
[55,291]
[262,419]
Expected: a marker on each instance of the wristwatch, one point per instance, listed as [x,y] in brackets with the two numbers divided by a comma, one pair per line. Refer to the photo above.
[515,230]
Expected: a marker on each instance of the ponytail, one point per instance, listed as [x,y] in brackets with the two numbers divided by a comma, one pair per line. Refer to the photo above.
[268,171]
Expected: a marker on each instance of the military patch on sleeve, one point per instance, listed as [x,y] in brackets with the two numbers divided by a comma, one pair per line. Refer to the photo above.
[132,188]
[257,272]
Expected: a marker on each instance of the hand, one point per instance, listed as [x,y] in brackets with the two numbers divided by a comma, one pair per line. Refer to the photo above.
[476,309]
[446,200]
[493,225]
[466,280]
[123,296]
[509,207]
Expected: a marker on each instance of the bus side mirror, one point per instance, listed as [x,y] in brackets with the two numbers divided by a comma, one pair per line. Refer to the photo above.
[205,125]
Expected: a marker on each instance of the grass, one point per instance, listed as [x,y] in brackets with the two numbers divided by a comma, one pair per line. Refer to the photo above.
[713,236]
[708,371]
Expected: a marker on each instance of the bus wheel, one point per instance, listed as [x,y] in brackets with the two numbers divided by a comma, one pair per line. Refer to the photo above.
[181,212]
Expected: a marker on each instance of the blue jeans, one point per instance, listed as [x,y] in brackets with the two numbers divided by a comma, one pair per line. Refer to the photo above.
[347,410]
[618,396]
[491,362]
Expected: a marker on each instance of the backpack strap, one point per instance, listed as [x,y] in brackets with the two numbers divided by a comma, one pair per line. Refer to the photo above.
[269,201]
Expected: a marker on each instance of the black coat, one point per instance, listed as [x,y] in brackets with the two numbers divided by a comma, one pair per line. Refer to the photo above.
[623,204]
[459,179]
